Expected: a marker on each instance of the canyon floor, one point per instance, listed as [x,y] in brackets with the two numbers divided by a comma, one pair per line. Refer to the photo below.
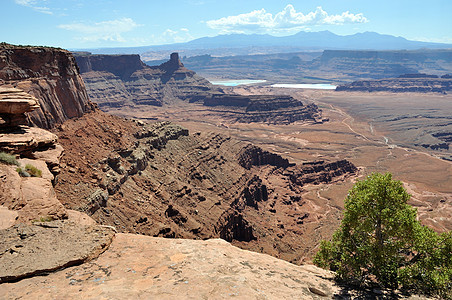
[377,132]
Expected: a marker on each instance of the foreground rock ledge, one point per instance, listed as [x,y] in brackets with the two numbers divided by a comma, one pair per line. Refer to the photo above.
[142,267]
[47,246]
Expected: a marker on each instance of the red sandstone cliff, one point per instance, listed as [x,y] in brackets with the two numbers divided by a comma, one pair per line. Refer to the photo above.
[124,80]
[49,74]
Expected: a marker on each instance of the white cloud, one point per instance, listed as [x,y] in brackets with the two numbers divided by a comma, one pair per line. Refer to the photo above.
[102,31]
[286,20]
[25,2]
[443,39]
[175,36]
[34,4]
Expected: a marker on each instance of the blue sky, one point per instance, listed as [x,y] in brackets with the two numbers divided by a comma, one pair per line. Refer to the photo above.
[116,23]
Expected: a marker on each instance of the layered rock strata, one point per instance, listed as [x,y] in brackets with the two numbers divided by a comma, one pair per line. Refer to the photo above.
[165,181]
[49,74]
[14,104]
[263,108]
[124,80]
[404,84]
[120,82]
[32,197]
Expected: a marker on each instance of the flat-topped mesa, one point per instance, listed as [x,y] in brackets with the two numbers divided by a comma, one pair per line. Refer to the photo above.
[49,74]
[14,103]
[122,66]
[417,83]
[253,102]
[418,75]
[276,109]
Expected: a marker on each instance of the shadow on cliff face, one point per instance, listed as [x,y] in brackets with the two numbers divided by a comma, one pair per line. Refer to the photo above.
[49,74]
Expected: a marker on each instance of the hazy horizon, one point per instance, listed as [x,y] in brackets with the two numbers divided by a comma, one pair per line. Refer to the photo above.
[79,24]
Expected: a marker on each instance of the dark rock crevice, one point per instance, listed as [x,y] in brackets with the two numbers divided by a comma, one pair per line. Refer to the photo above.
[233,226]
[255,156]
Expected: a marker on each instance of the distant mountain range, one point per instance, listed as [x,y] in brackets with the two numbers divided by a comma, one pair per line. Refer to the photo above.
[243,44]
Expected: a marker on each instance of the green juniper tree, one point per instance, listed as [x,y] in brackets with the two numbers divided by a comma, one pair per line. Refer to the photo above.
[380,241]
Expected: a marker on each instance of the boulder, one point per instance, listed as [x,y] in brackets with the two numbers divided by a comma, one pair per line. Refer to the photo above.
[33,198]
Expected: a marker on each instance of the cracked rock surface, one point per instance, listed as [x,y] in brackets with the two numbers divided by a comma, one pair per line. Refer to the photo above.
[28,250]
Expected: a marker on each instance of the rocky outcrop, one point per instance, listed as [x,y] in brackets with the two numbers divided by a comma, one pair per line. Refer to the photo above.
[161,133]
[233,227]
[34,239]
[255,156]
[33,197]
[15,137]
[253,102]
[14,104]
[414,83]
[255,192]
[122,66]
[122,80]
[319,172]
[29,250]
[137,266]
[49,74]
[275,109]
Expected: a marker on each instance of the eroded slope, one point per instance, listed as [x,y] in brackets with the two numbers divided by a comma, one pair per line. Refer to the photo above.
[166,181]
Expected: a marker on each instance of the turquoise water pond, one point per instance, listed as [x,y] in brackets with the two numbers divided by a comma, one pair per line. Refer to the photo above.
[316,86]
[236,82]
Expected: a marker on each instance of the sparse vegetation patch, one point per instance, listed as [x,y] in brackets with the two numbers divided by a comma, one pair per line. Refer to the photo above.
[8,159]
[28,171]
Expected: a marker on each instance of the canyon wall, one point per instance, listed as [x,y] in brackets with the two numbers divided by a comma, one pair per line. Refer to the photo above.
[124,80]
[119,82]
[403,84]
[49,74]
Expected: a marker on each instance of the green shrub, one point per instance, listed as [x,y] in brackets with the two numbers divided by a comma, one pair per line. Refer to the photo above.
[33,171]
[46,219]
[8,159]
[380,241]
[28,171]
[43,219]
